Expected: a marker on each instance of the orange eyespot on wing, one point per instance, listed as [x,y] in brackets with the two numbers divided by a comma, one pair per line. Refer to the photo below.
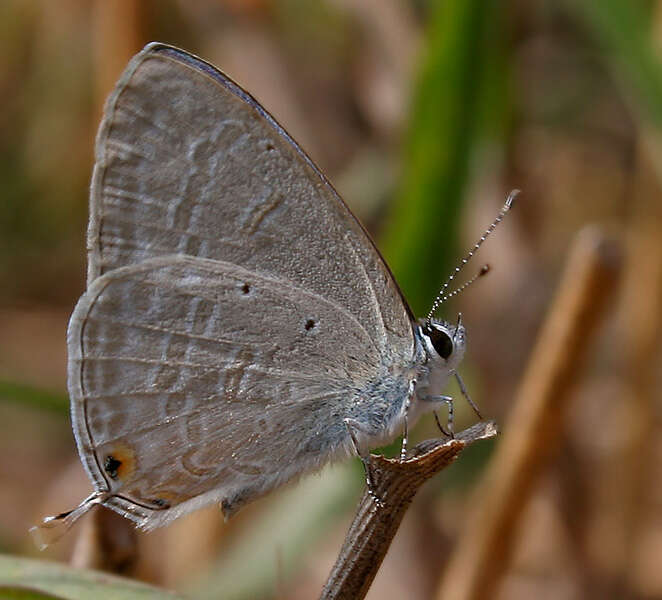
[119,462]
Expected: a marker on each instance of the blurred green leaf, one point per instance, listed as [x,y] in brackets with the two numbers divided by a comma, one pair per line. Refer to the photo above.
[42,579]
[21,593]
[273,546]
[27,395]
[448,112]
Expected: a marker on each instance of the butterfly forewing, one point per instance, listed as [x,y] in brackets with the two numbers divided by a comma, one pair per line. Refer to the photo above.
[188,163]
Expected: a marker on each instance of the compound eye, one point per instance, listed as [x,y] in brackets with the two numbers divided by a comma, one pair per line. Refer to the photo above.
[442,342]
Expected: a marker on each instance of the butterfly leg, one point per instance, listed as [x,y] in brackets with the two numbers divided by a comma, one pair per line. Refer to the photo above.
[352,427]
[439,425]
[405,428]
[465,393]
[448,401]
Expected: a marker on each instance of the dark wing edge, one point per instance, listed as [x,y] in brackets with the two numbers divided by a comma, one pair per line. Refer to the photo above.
[76,354]
[139,514]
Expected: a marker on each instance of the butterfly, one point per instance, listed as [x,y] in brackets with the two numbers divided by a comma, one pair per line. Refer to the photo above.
[239,326]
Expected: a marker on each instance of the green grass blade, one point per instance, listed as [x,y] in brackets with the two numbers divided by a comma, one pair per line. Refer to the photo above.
[447,114]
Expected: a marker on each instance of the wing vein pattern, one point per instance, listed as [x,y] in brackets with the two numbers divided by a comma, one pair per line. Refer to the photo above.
[226,279]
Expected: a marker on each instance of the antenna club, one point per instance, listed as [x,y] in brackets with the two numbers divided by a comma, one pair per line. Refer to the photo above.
[511,198]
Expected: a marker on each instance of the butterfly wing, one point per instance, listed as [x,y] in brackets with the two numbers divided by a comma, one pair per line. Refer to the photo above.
[236,311]
[189,163]
[191,382]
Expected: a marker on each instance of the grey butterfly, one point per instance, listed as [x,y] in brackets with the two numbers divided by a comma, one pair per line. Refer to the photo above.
[239,327]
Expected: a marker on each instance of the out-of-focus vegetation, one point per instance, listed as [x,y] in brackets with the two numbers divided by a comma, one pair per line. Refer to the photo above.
[24,579]
[424,115]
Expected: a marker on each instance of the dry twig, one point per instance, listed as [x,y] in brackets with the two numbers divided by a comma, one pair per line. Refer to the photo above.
[373,528]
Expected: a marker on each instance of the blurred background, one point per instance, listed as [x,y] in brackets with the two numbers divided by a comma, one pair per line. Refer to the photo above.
[424,114]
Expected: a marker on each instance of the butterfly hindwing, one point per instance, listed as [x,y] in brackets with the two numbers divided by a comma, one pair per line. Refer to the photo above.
[195,380]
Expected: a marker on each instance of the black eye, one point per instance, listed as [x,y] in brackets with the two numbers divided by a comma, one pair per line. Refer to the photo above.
[441,341]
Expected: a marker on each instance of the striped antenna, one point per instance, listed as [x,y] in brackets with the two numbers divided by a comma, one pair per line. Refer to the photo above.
[442,296]
[484,270]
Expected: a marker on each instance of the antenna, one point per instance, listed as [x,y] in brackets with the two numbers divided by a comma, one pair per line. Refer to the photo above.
[484,270]
[442,296]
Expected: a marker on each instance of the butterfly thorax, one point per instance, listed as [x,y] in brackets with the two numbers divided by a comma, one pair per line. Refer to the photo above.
[439,348]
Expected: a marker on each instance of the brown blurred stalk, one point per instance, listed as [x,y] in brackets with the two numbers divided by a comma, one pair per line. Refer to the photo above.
[107,542]
[116,37]
[641,325]
[532,433]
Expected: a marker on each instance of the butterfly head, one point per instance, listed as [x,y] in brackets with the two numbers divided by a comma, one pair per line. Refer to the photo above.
[444,342]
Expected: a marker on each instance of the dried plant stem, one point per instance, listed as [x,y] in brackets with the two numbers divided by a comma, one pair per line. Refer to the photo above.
[107,542]
[373,528]
[533,430]
[641,323]
[116,37]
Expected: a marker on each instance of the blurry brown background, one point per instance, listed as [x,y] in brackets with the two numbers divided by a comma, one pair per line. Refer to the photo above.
[424,114]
